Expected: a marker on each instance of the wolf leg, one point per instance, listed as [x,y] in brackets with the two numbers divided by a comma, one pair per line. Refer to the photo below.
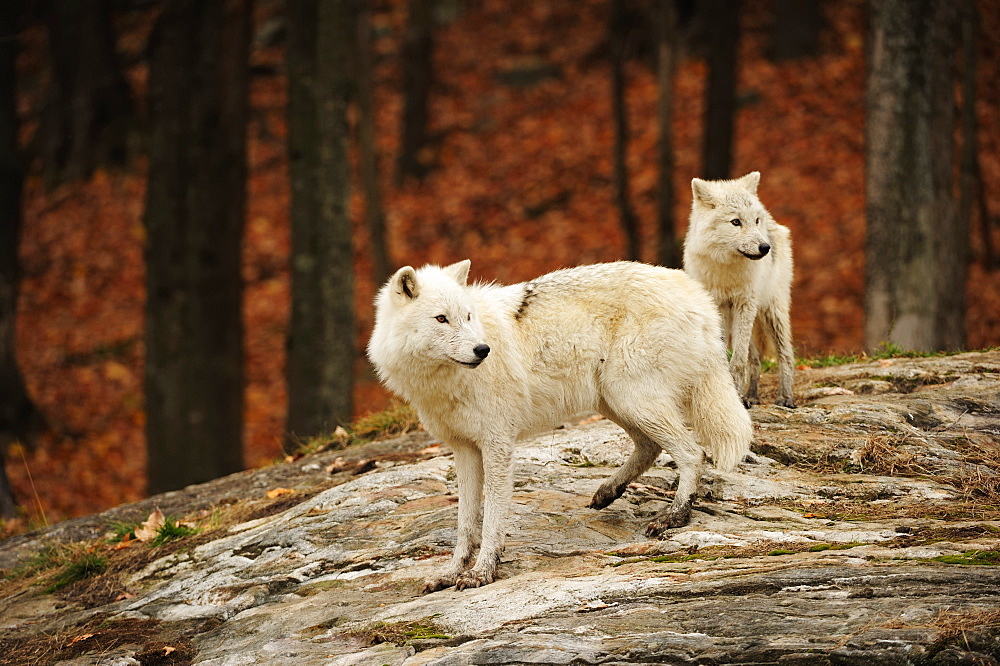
[498,488]
[741,338]
[690,459]
[777,324]
[469,473]
[752,396]
[643,456]
[660,424]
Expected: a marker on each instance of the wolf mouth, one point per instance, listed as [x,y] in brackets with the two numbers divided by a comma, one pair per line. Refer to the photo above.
[469,364]
[753,257]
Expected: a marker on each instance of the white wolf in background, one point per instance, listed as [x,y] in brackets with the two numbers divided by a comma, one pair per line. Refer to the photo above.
[485,364]
[744,258]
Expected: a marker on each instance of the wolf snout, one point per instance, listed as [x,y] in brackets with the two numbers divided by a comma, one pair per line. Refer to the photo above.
[481,350]
[762,251]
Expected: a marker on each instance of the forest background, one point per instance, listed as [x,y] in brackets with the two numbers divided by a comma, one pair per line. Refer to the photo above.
[519,179]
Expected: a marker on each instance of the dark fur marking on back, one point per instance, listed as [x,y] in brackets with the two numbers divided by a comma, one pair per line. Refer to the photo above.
[529,295]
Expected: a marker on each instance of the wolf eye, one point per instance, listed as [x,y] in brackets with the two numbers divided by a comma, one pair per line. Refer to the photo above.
[758,220]
[736,223]
[468,317]
[442,319]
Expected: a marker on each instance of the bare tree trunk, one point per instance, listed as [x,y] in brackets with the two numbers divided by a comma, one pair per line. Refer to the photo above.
[19,418]
[12,392]
[418,73]
[796,29]
[617,39]
[368,149]
[89,114]
[916,254]
[720,94]
[195,208]
[669,248]
[970,184]
[321,348]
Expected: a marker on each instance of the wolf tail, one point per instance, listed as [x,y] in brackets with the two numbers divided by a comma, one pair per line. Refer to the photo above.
[720,421]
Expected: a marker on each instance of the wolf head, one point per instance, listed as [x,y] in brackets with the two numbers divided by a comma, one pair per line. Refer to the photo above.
[727,219]
[426,317]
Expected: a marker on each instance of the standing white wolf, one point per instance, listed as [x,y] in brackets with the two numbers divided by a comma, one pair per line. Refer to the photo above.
[744,258]
[485,364]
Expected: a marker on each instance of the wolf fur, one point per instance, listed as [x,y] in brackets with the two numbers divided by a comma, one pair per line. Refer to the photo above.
[485,364]
[744,258]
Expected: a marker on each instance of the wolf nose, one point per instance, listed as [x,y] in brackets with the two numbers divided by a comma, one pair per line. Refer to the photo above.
[481,350]
[763,248]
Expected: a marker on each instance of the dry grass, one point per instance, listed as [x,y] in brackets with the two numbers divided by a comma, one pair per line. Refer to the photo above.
[951,624]
[881,456]
[400,633]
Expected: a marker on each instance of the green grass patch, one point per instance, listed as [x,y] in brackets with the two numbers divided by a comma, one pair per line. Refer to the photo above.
[123,531]
[83,566]
[832,360]
[170,531]
[977,557]
[50,557]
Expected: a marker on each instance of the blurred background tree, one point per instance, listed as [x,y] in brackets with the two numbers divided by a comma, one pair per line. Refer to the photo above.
[322,39]
[89,119]
[194,220]
[918,246]
[20,420]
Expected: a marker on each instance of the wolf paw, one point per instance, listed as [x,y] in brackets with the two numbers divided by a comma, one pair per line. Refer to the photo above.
[473,578]
[786,402]
[604,497]
[438,583]
[750,401]
[662,523]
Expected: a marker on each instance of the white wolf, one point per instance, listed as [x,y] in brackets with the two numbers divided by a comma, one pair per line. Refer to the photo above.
[484,364]
[744,258]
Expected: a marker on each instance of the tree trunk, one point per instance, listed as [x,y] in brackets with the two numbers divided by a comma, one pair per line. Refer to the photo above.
[617,40]
[19,419]
[89,114]
[194,219]
[669,254]
[321,348]
[795,33]
[720,93]
[418,72]
[971,189]
[368,149]
[916,253]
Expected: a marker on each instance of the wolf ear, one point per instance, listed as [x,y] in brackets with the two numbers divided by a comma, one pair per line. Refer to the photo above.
[403,285]
[751,181]
[702,192]
[459,271]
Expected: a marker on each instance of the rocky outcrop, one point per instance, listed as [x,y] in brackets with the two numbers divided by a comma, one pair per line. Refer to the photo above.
[863,529]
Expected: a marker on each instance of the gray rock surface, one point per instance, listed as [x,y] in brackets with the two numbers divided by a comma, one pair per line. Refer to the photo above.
[864,529]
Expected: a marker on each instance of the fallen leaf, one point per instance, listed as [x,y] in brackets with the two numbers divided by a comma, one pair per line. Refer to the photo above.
[123,596]
[278,492]
[341,436]
[149,529]
[81,637]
